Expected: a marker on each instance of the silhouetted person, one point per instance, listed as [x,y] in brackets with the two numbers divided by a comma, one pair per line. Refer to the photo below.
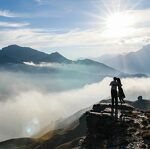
[121,94]
[114,97]
[140,98]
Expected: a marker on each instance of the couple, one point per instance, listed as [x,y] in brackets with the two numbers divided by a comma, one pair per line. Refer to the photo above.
[116,91]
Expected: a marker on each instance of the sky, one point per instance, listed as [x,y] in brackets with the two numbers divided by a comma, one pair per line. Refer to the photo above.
[76,28]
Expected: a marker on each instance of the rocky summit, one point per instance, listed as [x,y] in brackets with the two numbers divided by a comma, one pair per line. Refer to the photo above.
[130,130]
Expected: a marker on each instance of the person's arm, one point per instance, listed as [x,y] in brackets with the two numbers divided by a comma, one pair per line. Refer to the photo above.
[119,84]
[110,84]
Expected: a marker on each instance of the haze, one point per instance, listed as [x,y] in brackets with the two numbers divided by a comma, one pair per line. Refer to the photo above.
[28,104]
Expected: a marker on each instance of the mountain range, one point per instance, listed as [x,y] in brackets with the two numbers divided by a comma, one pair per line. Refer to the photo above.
[132,62]
[15,54]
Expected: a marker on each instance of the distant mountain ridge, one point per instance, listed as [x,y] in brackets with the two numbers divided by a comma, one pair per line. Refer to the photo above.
[133,62]
[17,54]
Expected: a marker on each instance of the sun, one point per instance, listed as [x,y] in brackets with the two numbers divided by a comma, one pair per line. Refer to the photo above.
[119,24]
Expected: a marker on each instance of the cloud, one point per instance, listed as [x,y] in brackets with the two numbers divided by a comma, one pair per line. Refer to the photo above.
[37,14]
[141,16]
[35,104]
[10,24]
[41,2]
[9,14]
[82,40]
[75,39]
[45,38]
[31,98]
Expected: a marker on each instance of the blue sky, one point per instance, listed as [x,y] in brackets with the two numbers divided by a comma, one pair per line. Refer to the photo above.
[76,28]
[61,15]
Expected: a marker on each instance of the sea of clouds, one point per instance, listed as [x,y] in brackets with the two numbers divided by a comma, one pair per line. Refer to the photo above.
[30,102]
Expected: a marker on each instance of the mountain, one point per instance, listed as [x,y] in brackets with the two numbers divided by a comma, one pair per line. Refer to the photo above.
[6,59]
[105,57]
[133,62]
[21,143]
[70,74]
[17,54]
[92,66]
[22,54]
[55,58]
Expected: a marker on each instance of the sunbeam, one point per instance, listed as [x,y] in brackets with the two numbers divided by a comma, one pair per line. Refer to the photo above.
[117,18]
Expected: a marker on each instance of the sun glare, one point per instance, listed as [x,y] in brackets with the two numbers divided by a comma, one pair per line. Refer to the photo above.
[119,24]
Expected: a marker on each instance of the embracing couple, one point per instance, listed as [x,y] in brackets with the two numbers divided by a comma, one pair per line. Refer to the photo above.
[116,92]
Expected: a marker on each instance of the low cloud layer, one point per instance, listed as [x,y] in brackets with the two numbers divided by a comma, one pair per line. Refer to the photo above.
[27,107]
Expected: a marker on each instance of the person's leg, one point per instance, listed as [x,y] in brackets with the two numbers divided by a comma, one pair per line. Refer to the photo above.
[116,104]
[112,100]
[120,100]
[123,100]
[112,107]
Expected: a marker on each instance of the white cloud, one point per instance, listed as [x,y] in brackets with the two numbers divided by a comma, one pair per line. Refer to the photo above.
[41,2]
[82,39]
[10,24]
[44,38]
[7,13]
[141,16]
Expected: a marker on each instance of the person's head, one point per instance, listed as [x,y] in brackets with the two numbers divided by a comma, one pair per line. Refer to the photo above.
[115,79]
[140,98]
[118,80]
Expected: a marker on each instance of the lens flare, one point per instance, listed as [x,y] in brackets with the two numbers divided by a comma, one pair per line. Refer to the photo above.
[32,127]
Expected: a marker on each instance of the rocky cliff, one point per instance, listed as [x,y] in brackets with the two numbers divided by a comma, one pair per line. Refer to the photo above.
[131,130]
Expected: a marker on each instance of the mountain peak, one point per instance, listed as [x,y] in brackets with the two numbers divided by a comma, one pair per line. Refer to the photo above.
[56,54]
[56,57]
[12,46]
[16,47]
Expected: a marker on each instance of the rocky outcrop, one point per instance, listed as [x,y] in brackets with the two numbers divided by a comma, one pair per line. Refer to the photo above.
[95,129]
[131,130]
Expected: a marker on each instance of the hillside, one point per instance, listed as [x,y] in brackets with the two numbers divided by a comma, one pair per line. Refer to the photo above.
[133,62]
